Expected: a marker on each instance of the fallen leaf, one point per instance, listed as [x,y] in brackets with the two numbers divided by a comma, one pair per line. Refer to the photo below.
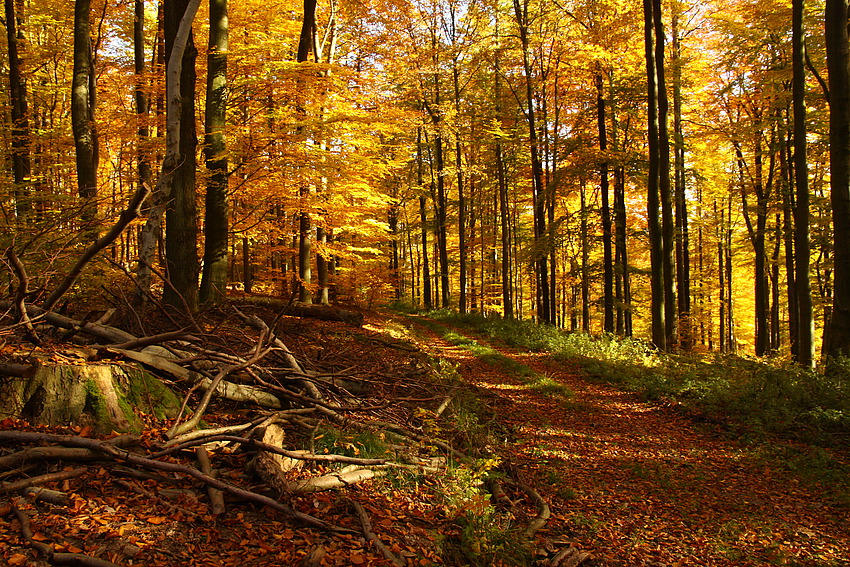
[18,559]
[156,520]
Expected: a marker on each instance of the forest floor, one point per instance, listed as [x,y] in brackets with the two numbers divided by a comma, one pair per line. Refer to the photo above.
[629,483]
[637,483]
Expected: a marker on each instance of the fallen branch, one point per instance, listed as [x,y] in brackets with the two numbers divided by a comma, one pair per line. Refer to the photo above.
[46,495]
[193,422]
[14,369]
[543,511]
[42,479]
[226,390]
[21,294]
[370,534]
[342,479]
[125,456]
[154,339]
[216,497]
[300,455]
[127,215]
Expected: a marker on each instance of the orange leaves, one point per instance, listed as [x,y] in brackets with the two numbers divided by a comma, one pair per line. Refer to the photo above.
[18,559]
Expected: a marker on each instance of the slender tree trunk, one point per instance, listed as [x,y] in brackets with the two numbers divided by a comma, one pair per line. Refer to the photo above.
[788,207]
[585,261]
[423,219]
[731,344]
[653,198]
[181,233]
[501,178]
[607,260]
[141,95]
[20,129]
[805,348]
[177,32]
[682,240]
[145,170]
[82,111]
[214,277]
[721,273]
[664,189]
[538,197]
[442,223]
[305,245]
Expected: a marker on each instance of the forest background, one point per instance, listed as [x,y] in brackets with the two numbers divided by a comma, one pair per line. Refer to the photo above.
[674,171]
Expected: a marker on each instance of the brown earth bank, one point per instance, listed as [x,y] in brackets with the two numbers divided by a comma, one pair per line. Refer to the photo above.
[626,482]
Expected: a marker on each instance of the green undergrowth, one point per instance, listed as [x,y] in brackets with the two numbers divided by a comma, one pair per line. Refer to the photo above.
[476,533]
[532,380]
[754,400]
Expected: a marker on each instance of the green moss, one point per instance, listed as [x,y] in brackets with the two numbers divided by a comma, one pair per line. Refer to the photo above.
[97,407]
[147,393]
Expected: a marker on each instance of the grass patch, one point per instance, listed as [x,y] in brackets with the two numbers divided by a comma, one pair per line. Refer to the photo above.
[541,383]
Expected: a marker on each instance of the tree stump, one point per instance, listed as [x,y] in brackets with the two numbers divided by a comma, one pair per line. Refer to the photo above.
[97,394]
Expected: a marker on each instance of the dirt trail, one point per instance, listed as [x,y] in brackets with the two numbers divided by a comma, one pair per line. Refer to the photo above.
[638,484]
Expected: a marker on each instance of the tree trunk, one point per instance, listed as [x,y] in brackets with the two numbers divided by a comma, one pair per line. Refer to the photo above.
[538,197]
[607,260]
[181,232]
[721,277]
[305,247]
[624,299]
[664,190]
[177,34]
[214,277]
[653,197]
[683,260]
[585,269]
[805,348]
[501,178]
[82,112]
[423,219]
[20,129]
[788,234]
[838,64]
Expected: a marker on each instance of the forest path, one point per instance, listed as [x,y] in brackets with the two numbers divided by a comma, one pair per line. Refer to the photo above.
[636,483]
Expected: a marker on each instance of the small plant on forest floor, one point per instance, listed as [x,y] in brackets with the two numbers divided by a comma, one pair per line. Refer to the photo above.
[364,444]
[483,536]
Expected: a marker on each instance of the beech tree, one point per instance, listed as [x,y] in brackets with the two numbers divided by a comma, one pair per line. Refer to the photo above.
[216,263]
[838,62]
[82,111]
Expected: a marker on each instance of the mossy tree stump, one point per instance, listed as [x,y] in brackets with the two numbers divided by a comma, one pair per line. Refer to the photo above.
[102,395]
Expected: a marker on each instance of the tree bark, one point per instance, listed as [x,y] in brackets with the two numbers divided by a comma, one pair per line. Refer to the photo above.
[181,233]
[838,64]
[82,112]
[653,197]
[20,130]
[805,347]
[682,240]
[305,45]
[538,197]
[607,256]
[664,189]
[423,219]
[214,277]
